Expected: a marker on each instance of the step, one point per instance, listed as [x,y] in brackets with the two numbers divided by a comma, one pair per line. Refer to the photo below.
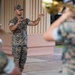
[37,45]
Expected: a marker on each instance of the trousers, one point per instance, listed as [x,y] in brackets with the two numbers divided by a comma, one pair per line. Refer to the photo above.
[20,55]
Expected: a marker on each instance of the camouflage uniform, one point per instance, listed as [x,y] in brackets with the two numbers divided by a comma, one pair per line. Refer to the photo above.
[19,41]
[66,33]
[3,62]
[3,59]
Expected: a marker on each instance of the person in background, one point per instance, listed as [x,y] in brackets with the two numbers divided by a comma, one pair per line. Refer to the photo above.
[18,26]
[63,29]
[7,66]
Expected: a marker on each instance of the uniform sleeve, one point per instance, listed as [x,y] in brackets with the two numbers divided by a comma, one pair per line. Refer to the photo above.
[70,27]
[63,30]
[27,21]
[56,34]
[12,21]
[60,32]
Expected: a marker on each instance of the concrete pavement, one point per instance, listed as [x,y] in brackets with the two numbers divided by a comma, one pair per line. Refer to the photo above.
[43,64]
[49,64]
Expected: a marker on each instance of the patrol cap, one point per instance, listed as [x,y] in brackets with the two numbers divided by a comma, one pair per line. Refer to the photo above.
[18,7]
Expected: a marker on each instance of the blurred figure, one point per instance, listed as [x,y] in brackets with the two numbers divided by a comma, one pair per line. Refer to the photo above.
[63,29]
[7,66]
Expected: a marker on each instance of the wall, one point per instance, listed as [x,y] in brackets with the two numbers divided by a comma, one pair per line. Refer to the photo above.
[31,10]
[36,45]
[8,12]
[0,11]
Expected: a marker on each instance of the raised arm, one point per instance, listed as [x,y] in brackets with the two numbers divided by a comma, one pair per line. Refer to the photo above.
[34,23]
[13,26]
[48,35]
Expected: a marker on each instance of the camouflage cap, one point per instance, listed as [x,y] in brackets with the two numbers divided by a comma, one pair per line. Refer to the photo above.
[18,7]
